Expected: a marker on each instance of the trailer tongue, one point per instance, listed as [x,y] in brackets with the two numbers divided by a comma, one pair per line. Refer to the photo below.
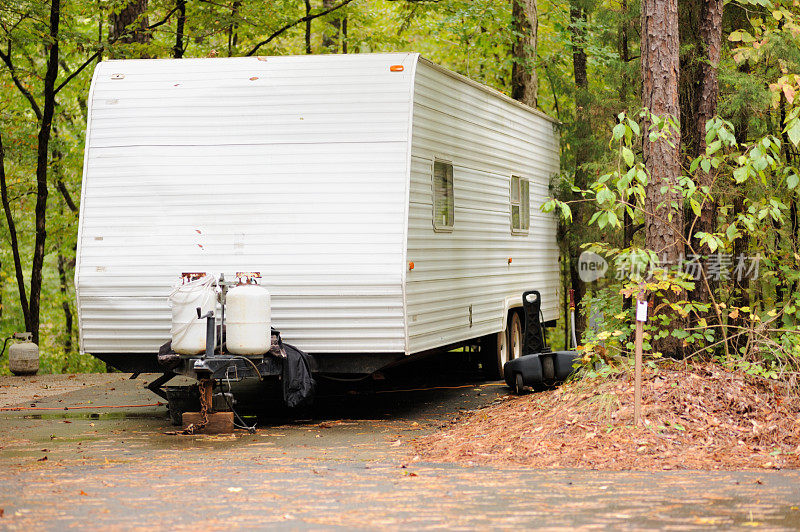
[245,347]
[252,356]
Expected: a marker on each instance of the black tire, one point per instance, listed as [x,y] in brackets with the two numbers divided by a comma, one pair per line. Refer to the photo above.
[519,385]
[492,346]
[548,369]
[491,355]
[516,337]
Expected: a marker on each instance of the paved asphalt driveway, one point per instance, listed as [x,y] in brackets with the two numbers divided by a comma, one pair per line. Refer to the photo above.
[348,466]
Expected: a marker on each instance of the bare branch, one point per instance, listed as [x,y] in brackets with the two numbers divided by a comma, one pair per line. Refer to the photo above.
[67,196]
[80,68]
[164,20]
[295,23]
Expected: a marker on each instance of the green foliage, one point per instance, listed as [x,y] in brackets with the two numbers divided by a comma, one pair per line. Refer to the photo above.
[754,190]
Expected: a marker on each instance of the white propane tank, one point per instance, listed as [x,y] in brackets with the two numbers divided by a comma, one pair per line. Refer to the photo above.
[23,357]
[188,332]
[247,317]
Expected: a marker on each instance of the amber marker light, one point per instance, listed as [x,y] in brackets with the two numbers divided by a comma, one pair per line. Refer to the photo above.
[396,68]
[411,265]
[509,260]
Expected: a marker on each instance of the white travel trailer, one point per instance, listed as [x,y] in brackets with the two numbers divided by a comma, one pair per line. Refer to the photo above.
[390,205]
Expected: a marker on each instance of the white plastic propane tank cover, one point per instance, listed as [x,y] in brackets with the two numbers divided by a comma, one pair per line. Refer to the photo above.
[189,333]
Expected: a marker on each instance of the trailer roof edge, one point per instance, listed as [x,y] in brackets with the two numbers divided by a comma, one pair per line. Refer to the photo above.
[489,90]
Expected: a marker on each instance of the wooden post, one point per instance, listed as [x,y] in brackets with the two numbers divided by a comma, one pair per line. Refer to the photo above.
[641,317]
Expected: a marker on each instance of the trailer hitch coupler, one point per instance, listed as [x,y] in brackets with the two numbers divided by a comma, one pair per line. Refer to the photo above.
[210,331]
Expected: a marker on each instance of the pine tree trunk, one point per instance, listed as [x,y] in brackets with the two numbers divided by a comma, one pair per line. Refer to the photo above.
[698,111]
[689,16]
[660,70]
[524,83]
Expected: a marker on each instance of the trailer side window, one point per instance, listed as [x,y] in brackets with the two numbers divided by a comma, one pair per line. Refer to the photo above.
[443,205]
[520,204]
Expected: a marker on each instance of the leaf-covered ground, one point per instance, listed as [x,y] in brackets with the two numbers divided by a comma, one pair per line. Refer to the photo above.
[695,417]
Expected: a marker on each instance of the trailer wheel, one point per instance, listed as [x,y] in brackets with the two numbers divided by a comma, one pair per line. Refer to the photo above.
[498,347]
[515,339]
[494,354]
[519,385]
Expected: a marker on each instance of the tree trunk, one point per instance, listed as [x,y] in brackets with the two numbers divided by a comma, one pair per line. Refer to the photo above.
[101,16]
[331,34]
[660,70]
[344,34]
[624,52]
[41,170]
[524,83]
[582,150]
[177,50]
[62,278]
[129,25]
[62,264]
[308,27]
[233,35]
[703,107]
[738,17]
[12,231]
[624,86]
[689,16]
[711,40]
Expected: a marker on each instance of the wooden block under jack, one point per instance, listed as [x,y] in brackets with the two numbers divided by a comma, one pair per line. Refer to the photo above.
[218,422]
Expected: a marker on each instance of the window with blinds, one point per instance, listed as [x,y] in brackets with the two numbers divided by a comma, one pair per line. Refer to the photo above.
[520,205]
[443,204]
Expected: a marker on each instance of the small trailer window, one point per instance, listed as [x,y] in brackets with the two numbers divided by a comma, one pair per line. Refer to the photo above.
[520,204]
[443,205]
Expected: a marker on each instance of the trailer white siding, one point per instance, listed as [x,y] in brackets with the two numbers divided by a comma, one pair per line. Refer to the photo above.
[291,166]
[488,139]
[316,172]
